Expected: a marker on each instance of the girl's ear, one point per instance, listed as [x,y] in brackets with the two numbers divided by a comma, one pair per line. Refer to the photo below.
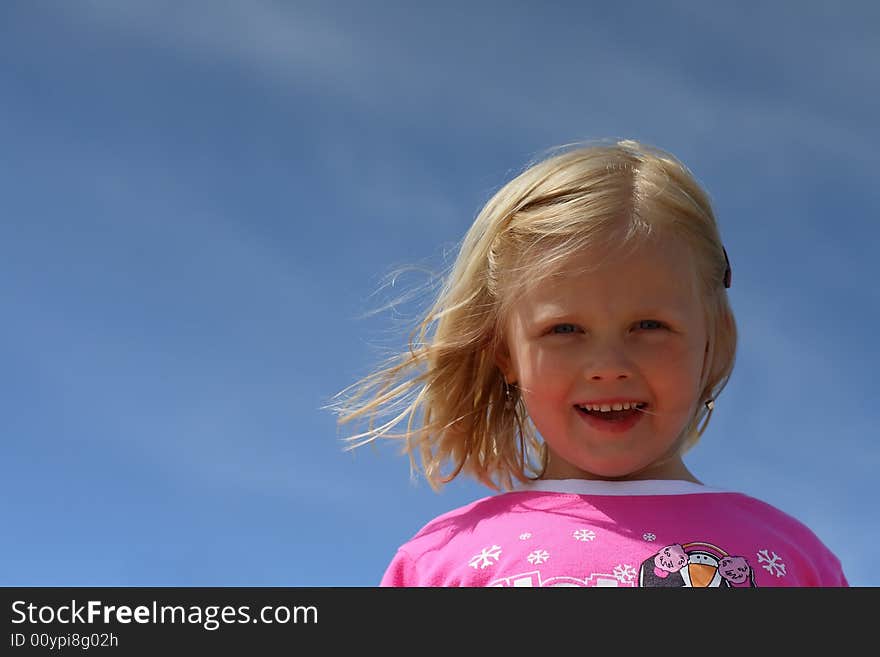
[502,360]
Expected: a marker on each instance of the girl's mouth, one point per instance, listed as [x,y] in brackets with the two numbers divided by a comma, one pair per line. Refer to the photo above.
[611,421]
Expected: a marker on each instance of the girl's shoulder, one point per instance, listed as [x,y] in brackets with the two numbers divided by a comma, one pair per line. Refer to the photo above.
[671,512]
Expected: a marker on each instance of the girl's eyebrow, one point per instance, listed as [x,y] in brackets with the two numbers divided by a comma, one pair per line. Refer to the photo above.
[561,315]
[657,310]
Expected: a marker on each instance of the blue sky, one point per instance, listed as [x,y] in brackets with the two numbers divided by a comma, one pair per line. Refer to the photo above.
[200,201]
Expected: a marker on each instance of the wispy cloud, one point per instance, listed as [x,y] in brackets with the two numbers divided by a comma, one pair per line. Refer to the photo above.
[276,38]
[509,88]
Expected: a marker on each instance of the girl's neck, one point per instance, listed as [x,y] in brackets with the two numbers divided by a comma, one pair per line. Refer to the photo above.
[673,469]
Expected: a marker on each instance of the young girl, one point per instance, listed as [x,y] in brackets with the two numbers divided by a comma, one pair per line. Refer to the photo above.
[588,305]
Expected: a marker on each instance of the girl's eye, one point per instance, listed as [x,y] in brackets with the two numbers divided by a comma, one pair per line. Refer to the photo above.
[567,329]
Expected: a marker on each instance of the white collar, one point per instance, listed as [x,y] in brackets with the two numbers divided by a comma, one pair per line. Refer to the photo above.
[635,487]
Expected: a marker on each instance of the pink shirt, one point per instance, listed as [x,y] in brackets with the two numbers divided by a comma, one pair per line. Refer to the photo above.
[624,533]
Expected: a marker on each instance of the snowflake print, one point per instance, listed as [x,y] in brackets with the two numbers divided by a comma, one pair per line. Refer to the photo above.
[648,536]
[772,565]
[584,535]
[487,557]
[525,536]
[538,556]
[624,572]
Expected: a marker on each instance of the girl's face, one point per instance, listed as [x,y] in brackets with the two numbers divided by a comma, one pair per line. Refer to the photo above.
[634,330]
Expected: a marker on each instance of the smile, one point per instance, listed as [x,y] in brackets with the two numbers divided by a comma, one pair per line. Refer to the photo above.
[612,421]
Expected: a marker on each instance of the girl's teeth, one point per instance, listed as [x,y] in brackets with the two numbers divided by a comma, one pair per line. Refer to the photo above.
[611,407]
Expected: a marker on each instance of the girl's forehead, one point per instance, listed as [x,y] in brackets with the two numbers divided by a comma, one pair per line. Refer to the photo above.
[660,281]
[658,267]
[610,294]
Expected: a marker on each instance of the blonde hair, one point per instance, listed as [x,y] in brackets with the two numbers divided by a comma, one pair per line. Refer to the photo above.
[447,384]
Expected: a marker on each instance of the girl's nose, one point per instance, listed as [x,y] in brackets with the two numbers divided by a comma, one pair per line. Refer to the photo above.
[607,364]
[610,375]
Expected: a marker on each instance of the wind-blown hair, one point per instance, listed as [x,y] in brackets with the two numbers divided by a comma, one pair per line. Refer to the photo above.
[447,385]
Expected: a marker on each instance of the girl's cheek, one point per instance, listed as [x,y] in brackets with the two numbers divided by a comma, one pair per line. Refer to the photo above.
[557,361]
[671,353]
